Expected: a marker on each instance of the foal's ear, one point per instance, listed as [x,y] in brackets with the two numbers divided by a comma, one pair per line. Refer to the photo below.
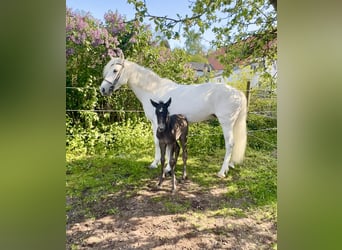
[168,102]
[154,103]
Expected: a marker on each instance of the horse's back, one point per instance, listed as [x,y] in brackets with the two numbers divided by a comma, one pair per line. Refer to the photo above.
[200,102]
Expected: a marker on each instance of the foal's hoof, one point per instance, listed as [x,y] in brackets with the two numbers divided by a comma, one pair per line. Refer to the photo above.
[220,175]
[183,179]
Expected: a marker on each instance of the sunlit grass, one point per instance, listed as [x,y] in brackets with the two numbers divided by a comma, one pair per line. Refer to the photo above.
[251,186]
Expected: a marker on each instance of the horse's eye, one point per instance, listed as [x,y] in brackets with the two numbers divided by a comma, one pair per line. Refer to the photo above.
[114,71]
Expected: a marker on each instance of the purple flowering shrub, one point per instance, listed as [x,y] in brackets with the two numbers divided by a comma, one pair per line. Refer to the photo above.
[89,42]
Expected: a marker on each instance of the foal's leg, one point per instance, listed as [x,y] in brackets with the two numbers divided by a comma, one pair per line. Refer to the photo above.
[169,155]
[227,128]
[162,160]
[173,162]
[154,164]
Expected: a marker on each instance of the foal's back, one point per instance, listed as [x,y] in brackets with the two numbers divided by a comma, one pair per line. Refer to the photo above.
[177,129]
[178,126]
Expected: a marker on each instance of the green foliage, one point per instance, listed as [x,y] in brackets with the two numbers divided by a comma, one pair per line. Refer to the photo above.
[248,29]
[166,63]
[205,137]
[119,138]
[198,58]
[193,42]
[88,46]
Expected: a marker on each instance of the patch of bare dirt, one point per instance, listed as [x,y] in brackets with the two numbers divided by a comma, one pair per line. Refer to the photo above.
[155,219]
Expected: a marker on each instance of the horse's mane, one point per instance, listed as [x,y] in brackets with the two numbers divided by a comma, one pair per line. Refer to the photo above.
[150,78]
[151,75]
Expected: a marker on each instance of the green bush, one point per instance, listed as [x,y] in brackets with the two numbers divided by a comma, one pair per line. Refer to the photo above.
[122,130]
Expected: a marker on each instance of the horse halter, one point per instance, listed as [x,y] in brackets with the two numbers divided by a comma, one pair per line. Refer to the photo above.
[118,74]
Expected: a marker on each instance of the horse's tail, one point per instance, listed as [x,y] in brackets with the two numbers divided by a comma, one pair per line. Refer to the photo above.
[240,133]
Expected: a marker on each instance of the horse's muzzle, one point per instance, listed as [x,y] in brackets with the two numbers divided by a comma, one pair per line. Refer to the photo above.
[106,92]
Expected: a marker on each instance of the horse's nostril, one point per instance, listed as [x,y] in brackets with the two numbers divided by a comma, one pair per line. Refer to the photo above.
[103,90]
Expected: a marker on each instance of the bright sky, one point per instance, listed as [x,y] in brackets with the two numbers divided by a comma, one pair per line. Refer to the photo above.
[155,7]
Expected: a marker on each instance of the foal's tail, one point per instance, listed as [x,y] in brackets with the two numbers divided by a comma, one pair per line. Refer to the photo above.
[240,133]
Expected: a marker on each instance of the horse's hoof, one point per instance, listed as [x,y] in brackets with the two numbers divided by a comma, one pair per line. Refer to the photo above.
[167,169]
[152,166]
[221,175]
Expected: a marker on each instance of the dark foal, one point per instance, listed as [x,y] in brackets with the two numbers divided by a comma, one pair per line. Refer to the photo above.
[170,129]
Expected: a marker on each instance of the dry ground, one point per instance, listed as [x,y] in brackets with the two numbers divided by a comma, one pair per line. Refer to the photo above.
[193,218]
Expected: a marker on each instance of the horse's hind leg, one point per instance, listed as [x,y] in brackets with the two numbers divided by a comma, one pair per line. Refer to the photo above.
[184,155]
[229,143]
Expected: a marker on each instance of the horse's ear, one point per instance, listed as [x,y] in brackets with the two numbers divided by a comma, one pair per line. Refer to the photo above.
[119,53]
[122,56]
[168,102]
[154,103]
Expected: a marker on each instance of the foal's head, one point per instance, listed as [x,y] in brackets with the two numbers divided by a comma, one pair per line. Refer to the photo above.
[162,113]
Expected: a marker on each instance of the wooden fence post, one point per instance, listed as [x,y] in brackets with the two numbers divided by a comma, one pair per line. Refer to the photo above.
[248,92]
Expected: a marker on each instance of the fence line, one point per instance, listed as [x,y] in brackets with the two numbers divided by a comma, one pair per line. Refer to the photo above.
[104,110]
[271,144]
[141,111]
[97,87]
[263,115]
[249,131]
[138,111]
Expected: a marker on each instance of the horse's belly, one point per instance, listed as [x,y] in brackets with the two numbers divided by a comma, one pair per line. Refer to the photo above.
[194,111]
[198,117]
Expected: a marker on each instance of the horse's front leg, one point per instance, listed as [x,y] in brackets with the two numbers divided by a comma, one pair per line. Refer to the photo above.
[154,164]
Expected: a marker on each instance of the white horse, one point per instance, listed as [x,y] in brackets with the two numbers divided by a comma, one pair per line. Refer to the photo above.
[197,102]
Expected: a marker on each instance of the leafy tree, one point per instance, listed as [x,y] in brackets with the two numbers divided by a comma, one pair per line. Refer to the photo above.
[193,42]
[251,26]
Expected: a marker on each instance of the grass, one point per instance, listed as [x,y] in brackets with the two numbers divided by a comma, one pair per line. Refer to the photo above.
[119,184]
[98,176]
[250,186]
